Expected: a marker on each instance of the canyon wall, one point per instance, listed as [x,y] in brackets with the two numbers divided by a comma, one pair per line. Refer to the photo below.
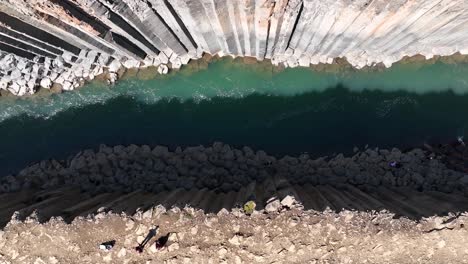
[66,42]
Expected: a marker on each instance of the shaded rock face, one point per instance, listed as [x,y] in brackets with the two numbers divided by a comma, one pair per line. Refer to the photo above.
[225,169]
[66,42]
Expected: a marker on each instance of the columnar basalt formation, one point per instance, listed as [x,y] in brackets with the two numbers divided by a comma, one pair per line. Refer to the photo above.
[66,42]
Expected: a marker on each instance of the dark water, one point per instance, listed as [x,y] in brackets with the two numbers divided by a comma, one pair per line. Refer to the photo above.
[320,123]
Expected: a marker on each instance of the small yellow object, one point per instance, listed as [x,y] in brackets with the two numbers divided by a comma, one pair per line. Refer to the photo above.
[249,207]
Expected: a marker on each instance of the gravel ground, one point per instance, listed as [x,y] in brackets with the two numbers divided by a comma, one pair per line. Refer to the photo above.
[289,235]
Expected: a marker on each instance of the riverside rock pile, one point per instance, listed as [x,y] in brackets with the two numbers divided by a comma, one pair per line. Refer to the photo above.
[223,168]
[26,76]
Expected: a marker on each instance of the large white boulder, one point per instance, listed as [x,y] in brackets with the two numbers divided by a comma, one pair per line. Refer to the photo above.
[46,83]
[8,61]
[163,69]
[103,59]
[98,71]
[16,74]
[148,61]
[14,88]
[112,77]
[67,86]
[3,84]
[273,206]
[115,66]
[53,76]
[176,63]
[31,84]
[22,64]
[58,63]
[79,72]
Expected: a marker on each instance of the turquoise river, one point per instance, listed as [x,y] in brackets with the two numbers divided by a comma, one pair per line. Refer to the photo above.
[289,111]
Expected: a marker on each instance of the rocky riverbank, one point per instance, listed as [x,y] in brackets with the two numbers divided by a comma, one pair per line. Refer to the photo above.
[221,167]
[27,78]
[220,204]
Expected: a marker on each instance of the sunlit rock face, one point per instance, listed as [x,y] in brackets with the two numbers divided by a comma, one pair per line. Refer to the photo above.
[65,42]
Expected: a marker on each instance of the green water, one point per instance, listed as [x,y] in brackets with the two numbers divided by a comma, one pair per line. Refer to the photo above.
[237,80]
[290,111]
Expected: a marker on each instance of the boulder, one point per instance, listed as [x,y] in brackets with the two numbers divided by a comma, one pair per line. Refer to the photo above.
[274,205]
[46,83]
[115,66]
[148,61]
[67,86]
[160,151]
[176,64]
[112,77]
[3,84]
[288,201]
[163,69]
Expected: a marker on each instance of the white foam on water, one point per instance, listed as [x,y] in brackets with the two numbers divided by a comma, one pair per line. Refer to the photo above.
[238,81]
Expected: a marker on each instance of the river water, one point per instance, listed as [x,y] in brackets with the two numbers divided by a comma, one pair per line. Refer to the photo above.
[288,111]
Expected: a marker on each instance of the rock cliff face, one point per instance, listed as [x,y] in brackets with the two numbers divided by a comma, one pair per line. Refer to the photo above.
[66,42]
